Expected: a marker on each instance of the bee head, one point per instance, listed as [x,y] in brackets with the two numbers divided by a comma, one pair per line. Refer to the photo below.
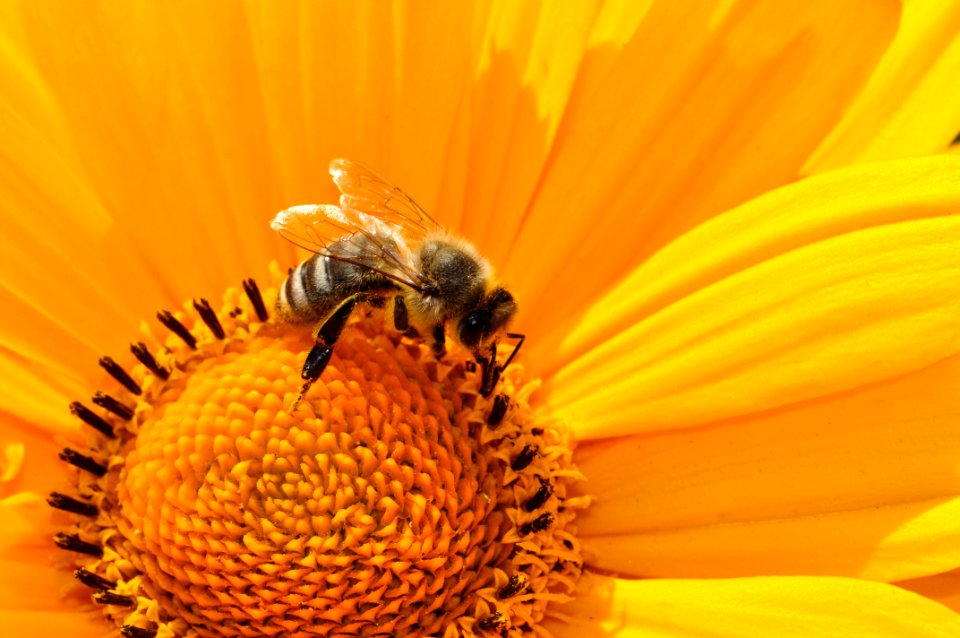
[488,318]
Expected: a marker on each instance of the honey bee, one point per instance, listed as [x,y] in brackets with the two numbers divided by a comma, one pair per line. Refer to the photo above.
[380,246]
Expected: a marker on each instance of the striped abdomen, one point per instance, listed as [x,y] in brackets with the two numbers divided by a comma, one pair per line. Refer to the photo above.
[317,286]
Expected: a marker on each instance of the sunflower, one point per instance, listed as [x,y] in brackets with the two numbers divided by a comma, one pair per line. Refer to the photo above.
[734,248]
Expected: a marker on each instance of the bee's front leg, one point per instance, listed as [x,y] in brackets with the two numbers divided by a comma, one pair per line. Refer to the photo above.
[439,340]
[321,352]
[489,371]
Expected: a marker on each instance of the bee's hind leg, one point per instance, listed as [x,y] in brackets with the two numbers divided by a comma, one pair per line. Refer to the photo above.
[321,352]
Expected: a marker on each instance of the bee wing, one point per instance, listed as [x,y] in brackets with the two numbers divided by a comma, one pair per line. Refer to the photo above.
[363,189]
[370,242]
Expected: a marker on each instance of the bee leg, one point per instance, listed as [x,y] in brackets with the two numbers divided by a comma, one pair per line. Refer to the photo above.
[520,339]
[439,341]
[401,321]
[321,352]
[489,371]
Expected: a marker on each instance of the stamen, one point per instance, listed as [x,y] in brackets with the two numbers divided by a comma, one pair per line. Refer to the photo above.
[516,584]
[93,420]
[538,524]
[173,325]
[537,500]
[129,631]
[120,375]
[93,581]
[253,293]
[209,317]
[499,410]
[143,355]
[70,504]
[83,462]
[496,620]
[525,458]
[72,543]
[113,598]
[107,402]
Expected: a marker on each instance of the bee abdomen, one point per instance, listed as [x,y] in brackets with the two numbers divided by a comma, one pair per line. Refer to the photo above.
[307,294]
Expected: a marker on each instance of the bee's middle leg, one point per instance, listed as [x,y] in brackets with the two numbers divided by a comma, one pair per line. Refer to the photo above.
[322,350]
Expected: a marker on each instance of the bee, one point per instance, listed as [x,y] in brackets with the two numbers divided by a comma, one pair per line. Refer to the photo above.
[378,247]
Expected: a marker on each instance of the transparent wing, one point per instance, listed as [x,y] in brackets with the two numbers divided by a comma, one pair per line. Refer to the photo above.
[364,190]
[350,236]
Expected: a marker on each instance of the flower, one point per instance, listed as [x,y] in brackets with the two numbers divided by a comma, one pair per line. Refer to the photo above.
[761,371]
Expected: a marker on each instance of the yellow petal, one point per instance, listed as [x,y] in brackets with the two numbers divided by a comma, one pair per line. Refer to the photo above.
[876,544]
[707,105]
[911,105]
[749,607]
[835,282]
[862,483]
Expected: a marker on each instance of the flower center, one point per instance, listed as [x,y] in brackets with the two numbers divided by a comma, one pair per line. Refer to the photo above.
[394,500]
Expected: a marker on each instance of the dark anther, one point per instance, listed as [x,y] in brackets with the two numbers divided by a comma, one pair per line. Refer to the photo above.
[129,631]
[173,325]
[93,581]
[470,366]
[70,504]
[536,431]
[143,355]
[72,542]
[499,410]
[536,501]
[93,420]
[496,620]
[538,524]
[83,462]
[516,584]
[113,598]
[209,317]
[120,375]
[525,458]
[253,293]
[107,402]
[568,543]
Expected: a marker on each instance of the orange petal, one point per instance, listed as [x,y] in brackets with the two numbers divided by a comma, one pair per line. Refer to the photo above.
[33,585]
[911,105]
[529,57]
[748,607]
[707,105]
[863,483]
[943,588]
[27,528]
[835,282]
[39,469]
[46,623]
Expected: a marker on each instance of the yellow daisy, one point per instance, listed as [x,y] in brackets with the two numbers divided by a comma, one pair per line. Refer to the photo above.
[749,332]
